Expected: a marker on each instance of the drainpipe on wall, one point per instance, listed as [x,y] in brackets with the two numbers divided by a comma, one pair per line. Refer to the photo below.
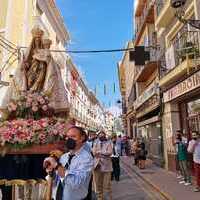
[161,105]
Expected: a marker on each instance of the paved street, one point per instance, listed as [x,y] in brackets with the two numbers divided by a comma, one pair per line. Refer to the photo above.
[132,187]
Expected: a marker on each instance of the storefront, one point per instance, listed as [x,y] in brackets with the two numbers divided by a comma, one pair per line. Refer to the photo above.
[150,131]
[149,128]
[181,112]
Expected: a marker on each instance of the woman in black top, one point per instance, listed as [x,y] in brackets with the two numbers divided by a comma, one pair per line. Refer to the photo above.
[142,155]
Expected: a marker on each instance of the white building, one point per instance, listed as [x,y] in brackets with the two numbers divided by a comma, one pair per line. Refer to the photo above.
[109,122]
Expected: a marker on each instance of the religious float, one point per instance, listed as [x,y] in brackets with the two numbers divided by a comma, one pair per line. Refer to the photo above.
[34,121]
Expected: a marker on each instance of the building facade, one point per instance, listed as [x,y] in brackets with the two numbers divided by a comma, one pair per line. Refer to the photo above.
[127,87]
[109,123]
[146,77]
[166,88]
[179,73]
[142,93]
[85,108]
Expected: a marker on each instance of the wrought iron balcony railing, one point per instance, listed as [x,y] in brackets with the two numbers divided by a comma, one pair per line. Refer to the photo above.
[185,45]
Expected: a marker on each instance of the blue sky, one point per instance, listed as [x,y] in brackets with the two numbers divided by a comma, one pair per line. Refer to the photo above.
[94,25]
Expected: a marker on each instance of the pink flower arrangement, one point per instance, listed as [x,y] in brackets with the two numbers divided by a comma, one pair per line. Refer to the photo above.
[27,125]
[29,105]
[26,132]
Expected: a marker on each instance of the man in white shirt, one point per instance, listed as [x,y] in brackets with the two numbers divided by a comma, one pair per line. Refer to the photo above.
[102,152]
[194,147]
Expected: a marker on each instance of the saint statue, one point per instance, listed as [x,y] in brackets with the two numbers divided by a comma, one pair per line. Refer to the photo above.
[39,73]
[34,63]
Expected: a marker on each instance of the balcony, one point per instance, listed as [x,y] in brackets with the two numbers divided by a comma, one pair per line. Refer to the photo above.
[147,16]
[147,94]
[181,57]
[165,13]
[142,73]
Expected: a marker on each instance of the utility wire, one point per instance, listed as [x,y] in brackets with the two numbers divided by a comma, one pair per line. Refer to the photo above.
[7,62]
[8,41]
[7,44]
[90,51]
[4,46]
[70,51]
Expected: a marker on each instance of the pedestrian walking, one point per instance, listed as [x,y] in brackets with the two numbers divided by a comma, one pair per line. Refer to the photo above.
[119,145]
[102,152]
[182,160]
[135,147]
[115,161]
[74,169]
[194,147]
[142,155]
[126,145]
[92,136]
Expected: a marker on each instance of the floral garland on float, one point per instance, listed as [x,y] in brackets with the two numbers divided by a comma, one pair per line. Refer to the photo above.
[29,120]
[35,97]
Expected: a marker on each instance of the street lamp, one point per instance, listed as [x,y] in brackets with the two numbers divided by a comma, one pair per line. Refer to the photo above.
[178,5]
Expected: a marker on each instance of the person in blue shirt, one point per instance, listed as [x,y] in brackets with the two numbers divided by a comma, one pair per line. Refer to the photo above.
[75,168]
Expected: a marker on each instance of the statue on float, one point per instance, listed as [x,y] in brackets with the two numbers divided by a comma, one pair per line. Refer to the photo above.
[36,85]
[39,73]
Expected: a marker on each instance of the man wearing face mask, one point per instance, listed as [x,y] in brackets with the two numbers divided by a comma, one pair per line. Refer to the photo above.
[102,151]
[194,147]
[75,168]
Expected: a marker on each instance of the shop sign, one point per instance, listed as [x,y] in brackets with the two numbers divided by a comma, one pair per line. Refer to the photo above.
[185,86]
[149,121]
[146,95]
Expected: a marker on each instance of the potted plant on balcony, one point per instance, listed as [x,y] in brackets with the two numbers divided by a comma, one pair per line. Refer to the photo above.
[188,49]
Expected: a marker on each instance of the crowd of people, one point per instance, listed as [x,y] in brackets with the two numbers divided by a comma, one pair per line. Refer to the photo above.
[92,161]
[184,166]
[88,167]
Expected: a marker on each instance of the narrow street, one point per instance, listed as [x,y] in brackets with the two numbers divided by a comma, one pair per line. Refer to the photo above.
[91,87]
[132,187]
